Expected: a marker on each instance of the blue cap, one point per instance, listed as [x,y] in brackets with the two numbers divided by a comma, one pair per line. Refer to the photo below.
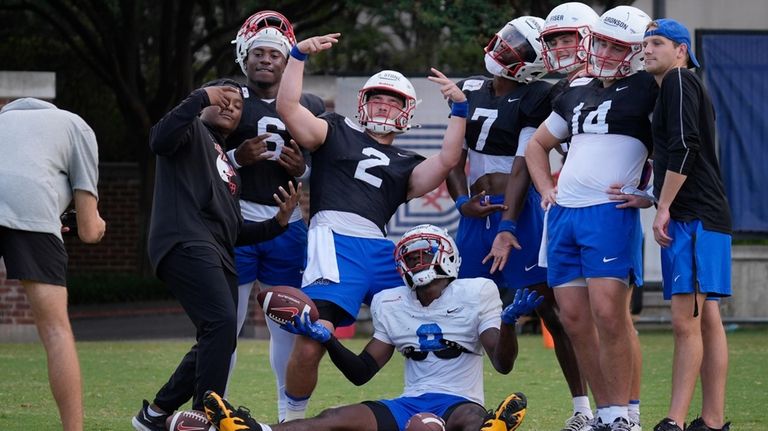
[675,32]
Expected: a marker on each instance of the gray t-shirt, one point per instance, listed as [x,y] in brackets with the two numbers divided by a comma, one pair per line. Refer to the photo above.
[45,154]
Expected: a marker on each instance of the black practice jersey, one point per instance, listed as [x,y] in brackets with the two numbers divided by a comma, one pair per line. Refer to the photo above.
[261,179]
[354,173]
[684,143]
[494,122]
[624,108]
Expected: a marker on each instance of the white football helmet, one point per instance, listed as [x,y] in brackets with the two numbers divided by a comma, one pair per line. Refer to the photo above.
[573,17]
[621,27]
[514,52]
[425,253]
[265,28]
[390,82]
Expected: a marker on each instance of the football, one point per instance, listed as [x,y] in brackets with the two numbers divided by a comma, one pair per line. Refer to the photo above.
[425,422]
[188,420]
[281,303]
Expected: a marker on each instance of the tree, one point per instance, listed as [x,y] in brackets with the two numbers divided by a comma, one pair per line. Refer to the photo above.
[148,54]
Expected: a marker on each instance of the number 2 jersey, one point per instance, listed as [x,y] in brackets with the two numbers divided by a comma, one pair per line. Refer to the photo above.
[465,309]
[495,122]
[353,173]
[610,131]
[261,179]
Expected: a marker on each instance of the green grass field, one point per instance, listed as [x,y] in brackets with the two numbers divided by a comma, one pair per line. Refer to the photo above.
[118,375]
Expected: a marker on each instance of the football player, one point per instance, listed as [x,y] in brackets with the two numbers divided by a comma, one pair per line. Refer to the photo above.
[590,250]
[441,325]
[504,112]
[692,225]
[266,156]
[359,179]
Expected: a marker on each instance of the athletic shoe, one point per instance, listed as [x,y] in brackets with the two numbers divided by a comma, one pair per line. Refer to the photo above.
[620,424]
[578,422]
[225,418]
[144,422]
[508,416]
[667,424]
[699,425]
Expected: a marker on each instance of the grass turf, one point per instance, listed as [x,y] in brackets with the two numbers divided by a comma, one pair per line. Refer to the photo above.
[117,375]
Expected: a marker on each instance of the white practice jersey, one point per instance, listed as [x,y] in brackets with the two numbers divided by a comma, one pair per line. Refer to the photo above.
[466,308]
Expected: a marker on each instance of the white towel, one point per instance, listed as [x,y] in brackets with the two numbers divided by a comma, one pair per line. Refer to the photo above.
[321,253]
[543,247]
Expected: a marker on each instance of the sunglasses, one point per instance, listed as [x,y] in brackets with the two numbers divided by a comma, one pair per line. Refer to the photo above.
[452,350]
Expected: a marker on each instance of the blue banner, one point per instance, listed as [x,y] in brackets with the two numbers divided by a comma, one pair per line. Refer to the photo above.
[736,75]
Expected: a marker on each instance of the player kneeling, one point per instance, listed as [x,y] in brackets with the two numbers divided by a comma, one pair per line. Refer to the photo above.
[441,325]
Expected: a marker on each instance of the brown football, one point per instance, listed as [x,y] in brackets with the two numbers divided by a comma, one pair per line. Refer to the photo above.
[188,420]
[425,422]
[281,303]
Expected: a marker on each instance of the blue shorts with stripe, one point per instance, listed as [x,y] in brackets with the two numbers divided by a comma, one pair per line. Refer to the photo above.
[366,267]
[696,251]
[277,262]
[475,237]
[598,241]
[404,407]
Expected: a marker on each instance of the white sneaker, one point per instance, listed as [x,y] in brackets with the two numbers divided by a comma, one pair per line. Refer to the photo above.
[578,422]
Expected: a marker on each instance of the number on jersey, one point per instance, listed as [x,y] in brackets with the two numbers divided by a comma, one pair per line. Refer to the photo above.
[377,159]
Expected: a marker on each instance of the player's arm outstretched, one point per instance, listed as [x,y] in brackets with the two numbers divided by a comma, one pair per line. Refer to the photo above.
[358,369]
[428,175]
[501,344]
[308,130]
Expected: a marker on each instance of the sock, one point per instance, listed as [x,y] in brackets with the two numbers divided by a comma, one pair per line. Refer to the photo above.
[602,414]
[280,347]
[633,410]
[613,413]
[296,408]
[153,413]
[581,405]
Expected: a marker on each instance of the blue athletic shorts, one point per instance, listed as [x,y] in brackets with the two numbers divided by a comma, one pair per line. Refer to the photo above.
[404,407]
[475,237]
[598,241]
[366,267]
[712,266]
[277,262]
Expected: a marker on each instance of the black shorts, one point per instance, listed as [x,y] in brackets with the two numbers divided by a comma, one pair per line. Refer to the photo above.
[33,256]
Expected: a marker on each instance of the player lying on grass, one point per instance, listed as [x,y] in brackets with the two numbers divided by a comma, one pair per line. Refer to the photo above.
[441,325]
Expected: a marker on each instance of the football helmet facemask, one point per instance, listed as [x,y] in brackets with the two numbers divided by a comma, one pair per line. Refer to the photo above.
[568,18]
[265,28]
[622,27]
[392,83]
[426,253]
[514,52]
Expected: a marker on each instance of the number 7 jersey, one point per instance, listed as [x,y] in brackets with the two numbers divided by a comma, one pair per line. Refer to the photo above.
[352,172]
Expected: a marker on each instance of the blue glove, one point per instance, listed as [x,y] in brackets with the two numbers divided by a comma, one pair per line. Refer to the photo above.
[523,303]
[302,325]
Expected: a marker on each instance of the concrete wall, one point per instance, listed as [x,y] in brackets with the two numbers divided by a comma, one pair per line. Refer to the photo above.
[27,84]
[750,283]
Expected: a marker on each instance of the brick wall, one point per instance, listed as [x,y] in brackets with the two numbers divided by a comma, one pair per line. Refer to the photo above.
[118,252]
[16,322]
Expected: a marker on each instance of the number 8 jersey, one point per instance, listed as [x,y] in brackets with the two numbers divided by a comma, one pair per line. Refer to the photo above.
[465,309]
[610,129]
[352,172]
